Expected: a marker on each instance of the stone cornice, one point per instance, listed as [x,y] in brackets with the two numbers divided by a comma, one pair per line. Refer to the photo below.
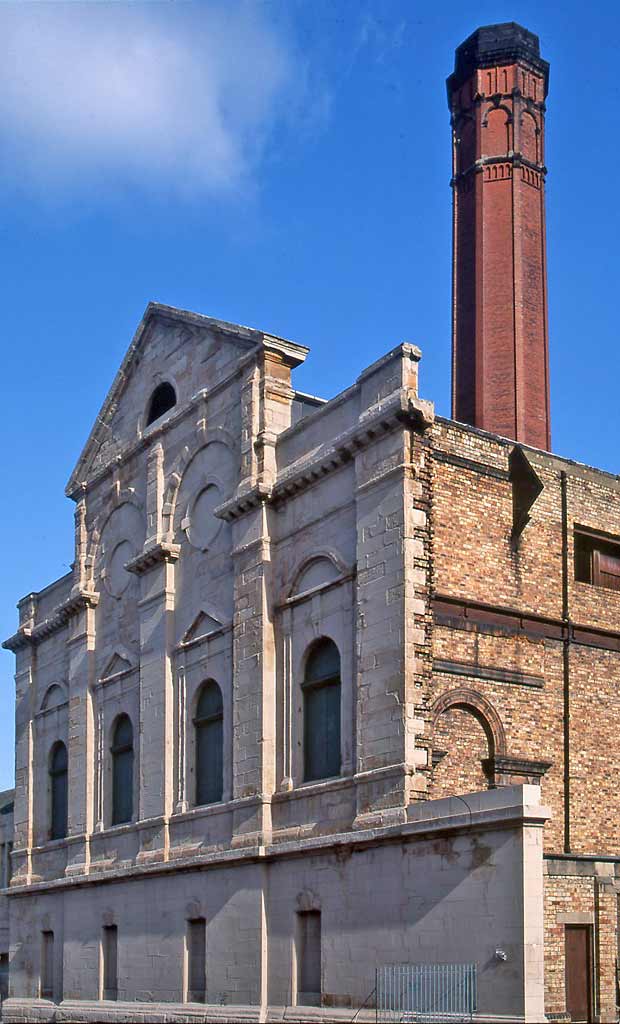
[245,502]
[33,634]
[398,409]
[153,555]
[506,765]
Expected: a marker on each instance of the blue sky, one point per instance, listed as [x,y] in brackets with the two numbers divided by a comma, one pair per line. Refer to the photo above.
[283,164]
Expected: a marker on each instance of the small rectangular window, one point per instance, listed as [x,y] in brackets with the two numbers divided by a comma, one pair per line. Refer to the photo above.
[197,960]
[110,962]
[309,958]
[47,965]
[597,559]
[9,872]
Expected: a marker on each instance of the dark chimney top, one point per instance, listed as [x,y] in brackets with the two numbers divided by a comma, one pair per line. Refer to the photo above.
[494,44]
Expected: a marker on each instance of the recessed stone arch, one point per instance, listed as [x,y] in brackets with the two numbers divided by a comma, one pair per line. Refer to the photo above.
[181,464]
[334,567]
[55,696]
[124,496]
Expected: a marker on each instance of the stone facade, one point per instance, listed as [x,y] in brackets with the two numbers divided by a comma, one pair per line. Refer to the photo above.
[220,534]
[471,659]
[319,521]
[6,843]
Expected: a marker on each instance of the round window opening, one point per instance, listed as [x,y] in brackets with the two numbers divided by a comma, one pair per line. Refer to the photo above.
[117,578]
[202,526]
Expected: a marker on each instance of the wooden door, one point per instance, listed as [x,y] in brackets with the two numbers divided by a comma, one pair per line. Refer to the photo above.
[578,974]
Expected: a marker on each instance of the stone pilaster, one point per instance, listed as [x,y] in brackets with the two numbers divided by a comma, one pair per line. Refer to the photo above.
[81,745]
[392,605]
[156,568]
[25,675]
[266,405]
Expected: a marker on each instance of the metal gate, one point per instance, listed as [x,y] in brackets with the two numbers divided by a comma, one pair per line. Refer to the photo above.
[408,993]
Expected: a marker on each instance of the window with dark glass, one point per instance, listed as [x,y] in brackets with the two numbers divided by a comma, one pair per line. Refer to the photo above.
[163,399]
[110,962]
[47,965]
[59,792]
[122,771]
[4,976]
[321,698]
[196,960]
[209,732]
[597,558]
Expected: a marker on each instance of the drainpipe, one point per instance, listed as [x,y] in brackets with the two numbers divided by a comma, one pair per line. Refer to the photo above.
[566,662]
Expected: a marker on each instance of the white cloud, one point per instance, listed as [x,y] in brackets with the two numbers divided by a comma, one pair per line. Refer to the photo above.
[181,95]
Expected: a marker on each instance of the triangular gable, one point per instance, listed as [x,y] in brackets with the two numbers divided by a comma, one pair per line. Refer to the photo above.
[205,623]
[118,665]
[103,445]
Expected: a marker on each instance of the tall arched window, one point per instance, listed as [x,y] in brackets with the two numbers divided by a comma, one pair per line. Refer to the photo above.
[209,731]
[321,688]
[59,793]
[122,771]
[163,399]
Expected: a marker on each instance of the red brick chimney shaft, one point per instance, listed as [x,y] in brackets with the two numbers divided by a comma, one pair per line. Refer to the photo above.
[500,365]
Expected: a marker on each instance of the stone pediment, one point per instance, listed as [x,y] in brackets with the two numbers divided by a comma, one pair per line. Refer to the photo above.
[165,334]
[118,665]
[205,623]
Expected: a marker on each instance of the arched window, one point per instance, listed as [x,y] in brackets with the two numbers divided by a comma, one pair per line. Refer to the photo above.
[122,771]
[209,730]
[321,688]
[163,398]
[59,793]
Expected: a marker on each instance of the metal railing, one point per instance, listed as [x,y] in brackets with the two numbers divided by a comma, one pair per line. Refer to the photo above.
[426,993]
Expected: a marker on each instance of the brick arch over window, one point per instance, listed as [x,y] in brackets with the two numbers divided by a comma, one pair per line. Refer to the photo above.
[496,132]
[480,707]
[467,735]
[530,136]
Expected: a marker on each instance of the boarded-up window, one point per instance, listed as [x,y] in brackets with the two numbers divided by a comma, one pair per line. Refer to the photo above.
[197,960]
[597,559]
[59,794]
[47,965]
[209,732]
[110,962]
[122,771]
[321,695]
[309,958]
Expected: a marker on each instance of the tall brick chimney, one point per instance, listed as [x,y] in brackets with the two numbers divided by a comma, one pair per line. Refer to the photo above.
[500,365]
